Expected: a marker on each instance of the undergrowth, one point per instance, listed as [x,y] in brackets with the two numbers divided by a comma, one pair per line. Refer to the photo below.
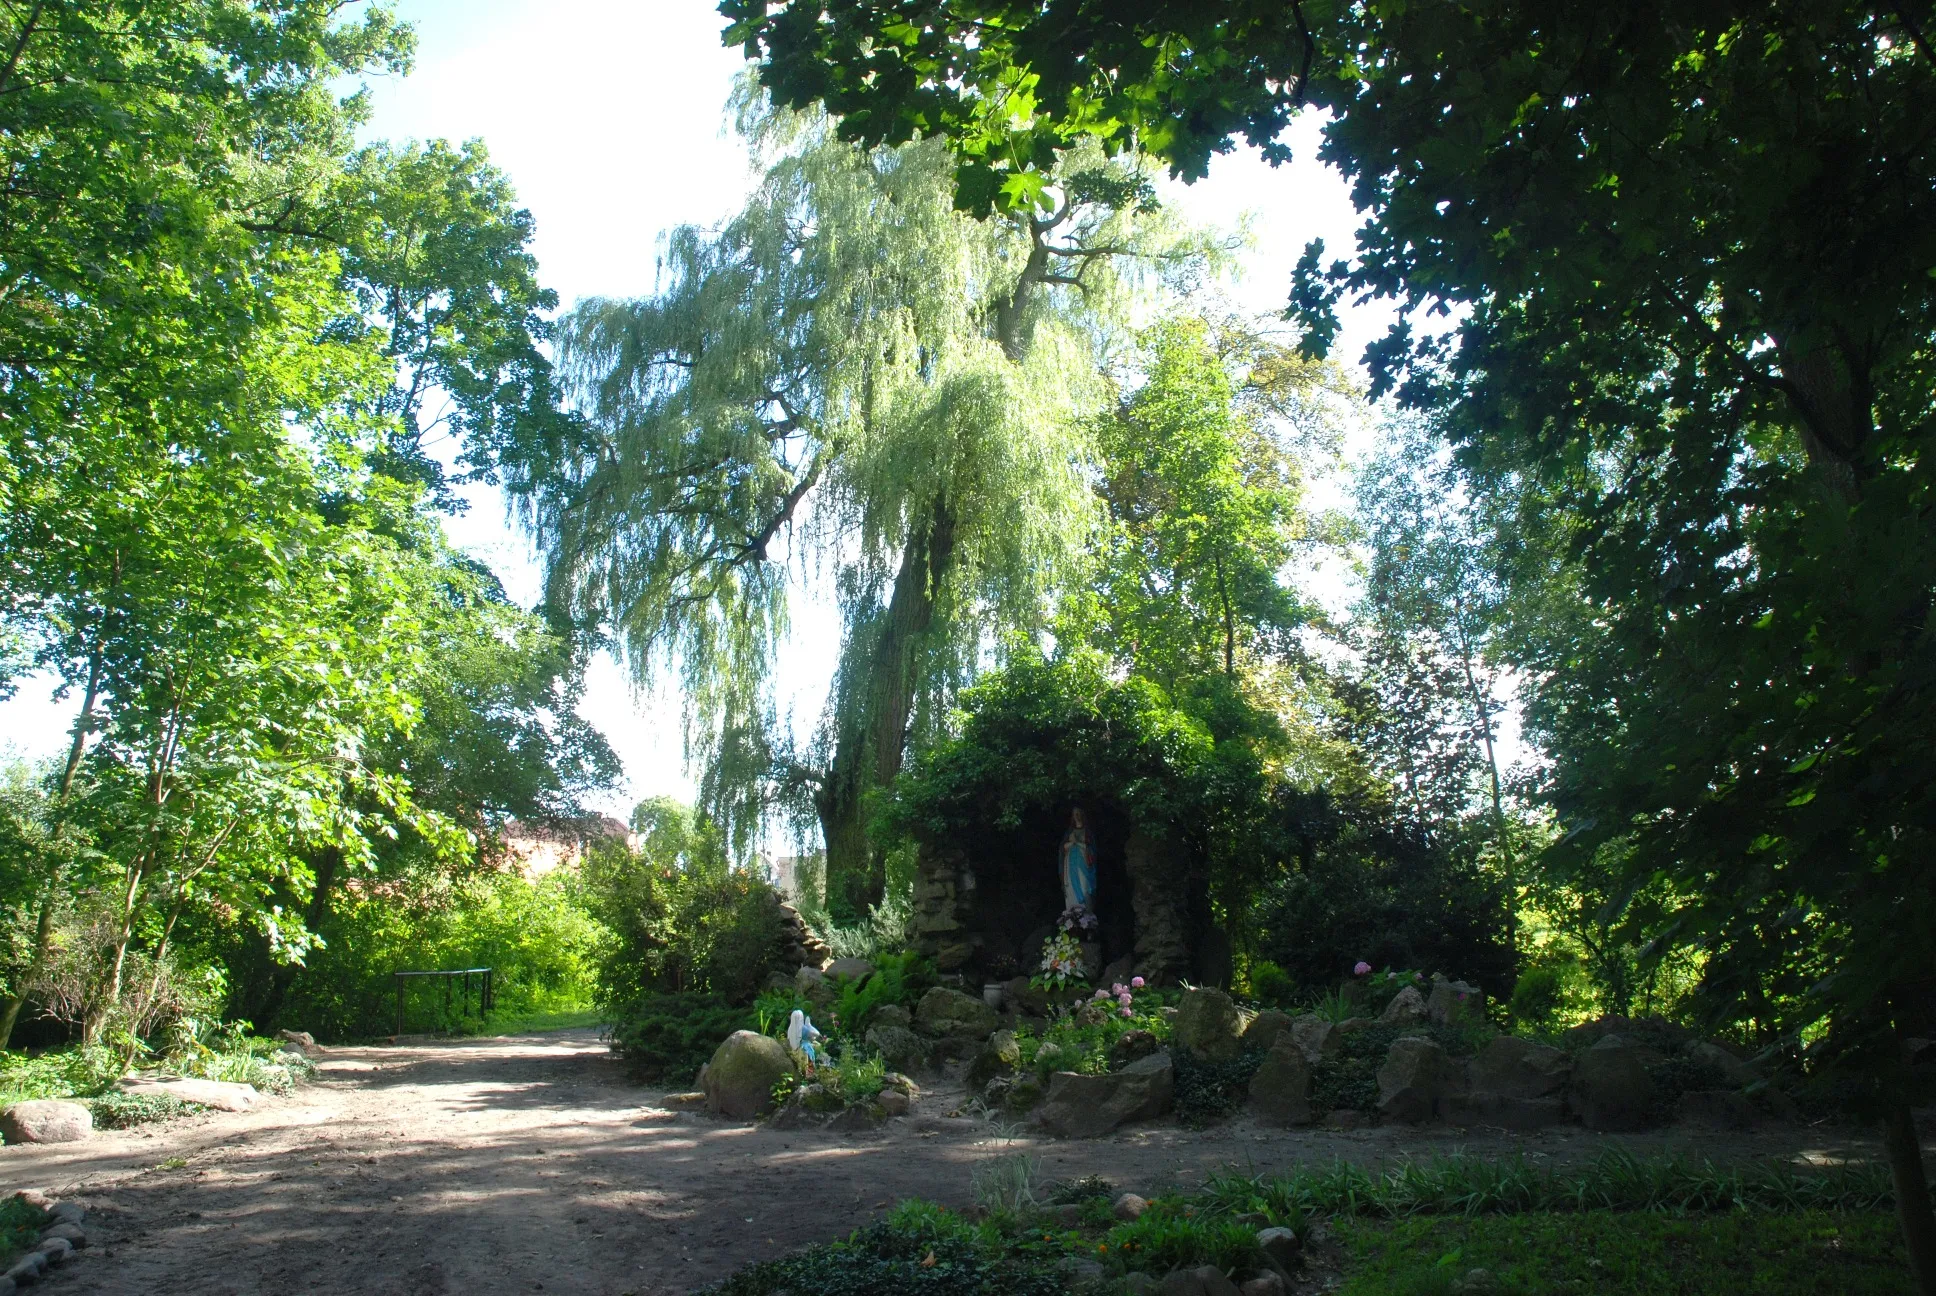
[19,1227]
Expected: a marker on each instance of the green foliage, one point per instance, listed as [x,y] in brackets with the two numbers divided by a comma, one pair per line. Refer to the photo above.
[1271,986]
[127,1110]
[1171,1235]
[1209,1091]
[680,919]
[668,1037]
[1349,1079]
[1807,1253]
[897,979]
[918,1250]
[1004,1185]
[537,935]
[19,1227]
[1084,1040]
[77,1072]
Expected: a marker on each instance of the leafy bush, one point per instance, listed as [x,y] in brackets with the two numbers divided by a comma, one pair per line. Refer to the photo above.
[1271,986]
[682,922]
[116,1110]
[1209,1091]
[668,1037]
[1084,1040]
[919,1250]
[77,1072]
[897,979]
[19,1227]
[1537,998]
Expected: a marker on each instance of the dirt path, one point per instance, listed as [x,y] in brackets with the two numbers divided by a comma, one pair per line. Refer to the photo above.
[527,1163]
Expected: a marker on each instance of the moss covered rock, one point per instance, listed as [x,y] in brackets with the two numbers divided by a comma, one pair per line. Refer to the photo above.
[740,1078]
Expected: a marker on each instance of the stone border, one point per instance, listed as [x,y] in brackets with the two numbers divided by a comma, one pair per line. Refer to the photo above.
[60,1237]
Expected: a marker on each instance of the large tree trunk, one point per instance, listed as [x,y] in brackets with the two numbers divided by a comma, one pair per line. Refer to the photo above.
[874,701]
[1912,1193]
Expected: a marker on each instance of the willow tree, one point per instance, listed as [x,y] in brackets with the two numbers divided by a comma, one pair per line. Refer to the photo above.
[852,378]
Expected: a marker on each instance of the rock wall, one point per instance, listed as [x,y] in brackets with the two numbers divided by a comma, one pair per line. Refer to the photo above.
[1162,915]
[943,887]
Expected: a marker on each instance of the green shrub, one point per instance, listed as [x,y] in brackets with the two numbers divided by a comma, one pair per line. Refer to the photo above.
[1174,1235]
[1084,1040]
[75,1072]
[919,1250]
[127,1110]
[897,979]
[1271,986]
[19,1227]
[668,1037]
[1210,1091]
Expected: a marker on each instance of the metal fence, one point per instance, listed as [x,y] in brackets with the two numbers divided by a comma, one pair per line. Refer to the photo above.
[486,997]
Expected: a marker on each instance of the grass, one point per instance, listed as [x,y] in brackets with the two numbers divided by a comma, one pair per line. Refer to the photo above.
[1608,1253]
[19,1227]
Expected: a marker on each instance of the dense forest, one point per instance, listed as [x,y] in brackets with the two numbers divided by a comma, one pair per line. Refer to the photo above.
[1599,672]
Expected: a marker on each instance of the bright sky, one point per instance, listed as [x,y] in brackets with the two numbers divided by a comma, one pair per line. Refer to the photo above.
[607,115]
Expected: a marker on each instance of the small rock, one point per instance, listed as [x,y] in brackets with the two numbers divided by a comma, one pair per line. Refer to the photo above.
[1000,1055]
[1068,1215]
[27,1270]
[66,1212]
[1128,1207]
[1407,1008]
[46,1120]
[1205,1280]
[1264,1284]
[1208,1025]
[896,1103]
[895,1080]
[1139,1284]
[692,1101]
[55,1249]
[892,1015]
[850,969]
[860,1118]
[1281,1247]
[301,1039]
[1132,1045]
[74,1233]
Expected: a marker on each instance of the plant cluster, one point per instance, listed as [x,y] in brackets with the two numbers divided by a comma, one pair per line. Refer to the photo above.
[1062,965]
[19,1227]
[1086,1039]
[667,1037]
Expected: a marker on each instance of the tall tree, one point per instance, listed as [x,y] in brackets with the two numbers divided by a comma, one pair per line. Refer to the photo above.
[852,374]
[1692,248]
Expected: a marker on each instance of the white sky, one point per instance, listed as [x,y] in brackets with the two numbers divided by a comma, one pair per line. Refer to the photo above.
[607,115]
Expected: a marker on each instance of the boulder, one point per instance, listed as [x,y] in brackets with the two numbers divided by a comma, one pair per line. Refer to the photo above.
[1723,1062]
[27,1269]
[1281,1248]
[1455,1003]
[1264,1284]
[219,1094]
[57,1250]
[75,1235]
[892,1015]
[1208,1026]
[1000,1055]
[811,984]
[1089,1106]
[1611,1088]
[1128,1207]
[850,969]
[1504,1111]
[1518,1068]
[46,1120]
[949,1013]
[1722,1109]
[1416,1080]
[1023,1094]
[1024,996]
[1318,1038]
[859,1118]
[1407,1008]
[898,1046]
[1131,1045]
[1205,1280]
[895,1103]
[1280,1091]
[744,1068]
[302,1040]
[67,1212]
[1264,1029]
[1118,972]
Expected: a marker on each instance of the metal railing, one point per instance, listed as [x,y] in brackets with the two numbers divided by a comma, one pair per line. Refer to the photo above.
[486,997]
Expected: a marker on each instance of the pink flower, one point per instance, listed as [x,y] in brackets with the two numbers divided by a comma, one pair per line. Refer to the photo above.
[1136,983]
[1100,994]
[1361,970]
[1124,1011]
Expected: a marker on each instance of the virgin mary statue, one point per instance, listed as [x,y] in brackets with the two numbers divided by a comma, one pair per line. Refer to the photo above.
[1078,863]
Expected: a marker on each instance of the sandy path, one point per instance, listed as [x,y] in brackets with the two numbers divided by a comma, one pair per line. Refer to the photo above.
[527,1163]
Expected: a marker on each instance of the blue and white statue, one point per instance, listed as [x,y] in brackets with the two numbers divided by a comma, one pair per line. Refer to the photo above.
[1078,864]
[803,1037]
